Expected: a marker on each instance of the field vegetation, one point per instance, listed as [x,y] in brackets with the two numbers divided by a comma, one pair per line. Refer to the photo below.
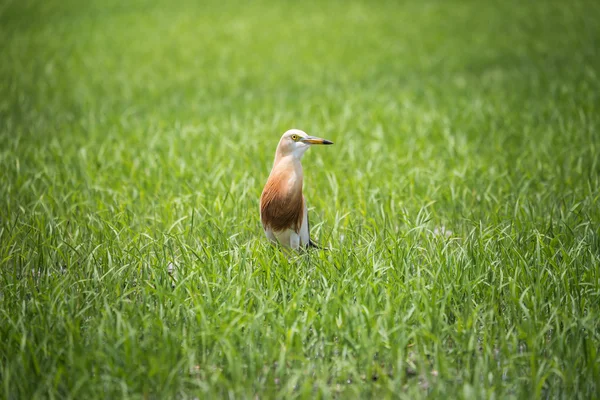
[460,202]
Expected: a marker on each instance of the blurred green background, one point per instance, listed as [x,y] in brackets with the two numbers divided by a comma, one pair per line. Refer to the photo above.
[136,134]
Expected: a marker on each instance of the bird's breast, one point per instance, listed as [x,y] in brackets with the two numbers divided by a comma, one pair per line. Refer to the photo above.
[281,203]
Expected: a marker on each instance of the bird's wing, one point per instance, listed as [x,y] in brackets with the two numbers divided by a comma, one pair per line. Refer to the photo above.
[310,241]
[304,231]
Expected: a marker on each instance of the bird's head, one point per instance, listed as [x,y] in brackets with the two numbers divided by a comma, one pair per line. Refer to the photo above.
[295,142]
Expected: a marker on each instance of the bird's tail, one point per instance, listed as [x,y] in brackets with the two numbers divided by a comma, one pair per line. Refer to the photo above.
[315,246]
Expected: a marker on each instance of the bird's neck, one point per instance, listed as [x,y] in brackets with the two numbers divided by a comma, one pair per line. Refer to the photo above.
[281,202]
[294,156]
[288,170]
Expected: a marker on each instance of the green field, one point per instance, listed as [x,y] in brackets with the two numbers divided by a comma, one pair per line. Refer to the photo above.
[460,202]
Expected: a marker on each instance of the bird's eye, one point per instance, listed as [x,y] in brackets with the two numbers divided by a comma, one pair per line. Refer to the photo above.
[295,138]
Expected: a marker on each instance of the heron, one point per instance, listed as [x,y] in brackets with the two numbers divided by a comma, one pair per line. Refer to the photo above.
[283,210]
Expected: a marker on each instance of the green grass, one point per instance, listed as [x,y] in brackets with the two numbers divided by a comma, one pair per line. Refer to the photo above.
[138,134]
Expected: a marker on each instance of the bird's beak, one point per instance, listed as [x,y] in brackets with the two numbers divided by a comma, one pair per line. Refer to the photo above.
[315,140]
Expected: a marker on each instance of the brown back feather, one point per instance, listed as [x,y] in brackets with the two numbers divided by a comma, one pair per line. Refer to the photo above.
[281,208]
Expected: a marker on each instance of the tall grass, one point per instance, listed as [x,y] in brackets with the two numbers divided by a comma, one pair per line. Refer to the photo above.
[459,202]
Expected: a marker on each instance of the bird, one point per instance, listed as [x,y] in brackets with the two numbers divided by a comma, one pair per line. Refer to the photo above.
[283,210]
